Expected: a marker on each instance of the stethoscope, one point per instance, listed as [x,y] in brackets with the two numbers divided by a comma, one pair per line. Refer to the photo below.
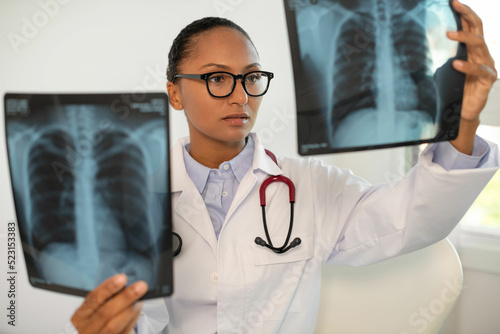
[262,192]
[177,240]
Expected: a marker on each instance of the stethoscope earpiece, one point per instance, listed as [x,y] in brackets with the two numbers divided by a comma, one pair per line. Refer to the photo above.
[259,241]
[295,242]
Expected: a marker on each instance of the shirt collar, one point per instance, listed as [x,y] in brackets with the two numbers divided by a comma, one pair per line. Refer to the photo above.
[196,171]
[240,165]
[180,178]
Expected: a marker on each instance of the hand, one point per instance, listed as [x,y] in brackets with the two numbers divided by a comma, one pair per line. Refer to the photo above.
[480,75]
[110,308]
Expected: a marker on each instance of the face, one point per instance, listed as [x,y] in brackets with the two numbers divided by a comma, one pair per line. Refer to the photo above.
[223,120]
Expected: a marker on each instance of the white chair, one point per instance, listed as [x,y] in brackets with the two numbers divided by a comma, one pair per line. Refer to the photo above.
[413,293]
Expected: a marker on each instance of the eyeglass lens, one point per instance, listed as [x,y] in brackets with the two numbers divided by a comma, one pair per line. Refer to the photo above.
[222,84]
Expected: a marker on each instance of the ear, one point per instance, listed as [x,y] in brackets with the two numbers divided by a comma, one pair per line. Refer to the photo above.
[174,96]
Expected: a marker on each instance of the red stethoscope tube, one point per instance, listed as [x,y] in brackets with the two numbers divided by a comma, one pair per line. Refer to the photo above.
[262,192]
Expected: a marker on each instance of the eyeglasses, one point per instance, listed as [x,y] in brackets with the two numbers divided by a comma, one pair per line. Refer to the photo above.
[221,84]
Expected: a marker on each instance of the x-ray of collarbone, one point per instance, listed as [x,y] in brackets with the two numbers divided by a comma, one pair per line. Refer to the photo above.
[373,63]
[87,205]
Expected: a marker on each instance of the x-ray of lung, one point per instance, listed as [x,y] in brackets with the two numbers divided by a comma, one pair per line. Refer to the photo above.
[374,73]
[91,188]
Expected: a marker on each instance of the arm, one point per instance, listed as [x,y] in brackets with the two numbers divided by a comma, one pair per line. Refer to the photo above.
[480,76]
[366,224]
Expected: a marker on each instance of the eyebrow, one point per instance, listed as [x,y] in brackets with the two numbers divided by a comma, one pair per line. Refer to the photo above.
[227,68]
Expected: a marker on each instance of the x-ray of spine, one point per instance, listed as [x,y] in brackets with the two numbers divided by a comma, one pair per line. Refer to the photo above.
[85,200]
[368,68]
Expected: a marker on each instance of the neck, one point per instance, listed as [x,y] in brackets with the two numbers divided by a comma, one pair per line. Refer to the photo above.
[212,153]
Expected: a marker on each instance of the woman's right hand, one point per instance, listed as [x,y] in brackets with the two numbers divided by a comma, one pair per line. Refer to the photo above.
[111,307]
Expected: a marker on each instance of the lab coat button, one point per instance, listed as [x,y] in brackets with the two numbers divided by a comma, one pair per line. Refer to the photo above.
[214,278]
[226,166]
[224,193]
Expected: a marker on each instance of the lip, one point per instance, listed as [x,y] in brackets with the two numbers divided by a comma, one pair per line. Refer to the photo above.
[238,115]
[237,119]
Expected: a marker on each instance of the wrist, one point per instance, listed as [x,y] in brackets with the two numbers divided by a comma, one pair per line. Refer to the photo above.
[464,143]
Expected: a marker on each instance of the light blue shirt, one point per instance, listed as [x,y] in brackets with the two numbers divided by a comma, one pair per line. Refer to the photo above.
[218,186]
[449,158]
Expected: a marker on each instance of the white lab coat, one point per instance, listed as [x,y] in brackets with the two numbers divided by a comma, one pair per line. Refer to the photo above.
[340,218]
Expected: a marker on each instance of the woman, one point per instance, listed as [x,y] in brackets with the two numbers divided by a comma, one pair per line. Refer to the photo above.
[227,283]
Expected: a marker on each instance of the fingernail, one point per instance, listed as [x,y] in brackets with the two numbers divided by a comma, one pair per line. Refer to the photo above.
[452,33]
[140,288]
[119,280]
[458,63]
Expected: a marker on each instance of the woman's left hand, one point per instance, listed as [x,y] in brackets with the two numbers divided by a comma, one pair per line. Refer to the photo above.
[479,67]
[480,74]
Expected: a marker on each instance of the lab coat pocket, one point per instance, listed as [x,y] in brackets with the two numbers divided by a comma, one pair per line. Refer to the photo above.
[272,281]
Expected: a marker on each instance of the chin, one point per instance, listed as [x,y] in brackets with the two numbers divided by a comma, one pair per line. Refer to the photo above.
[236,136]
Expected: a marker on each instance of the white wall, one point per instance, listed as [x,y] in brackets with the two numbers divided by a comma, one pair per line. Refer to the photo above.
[122,46]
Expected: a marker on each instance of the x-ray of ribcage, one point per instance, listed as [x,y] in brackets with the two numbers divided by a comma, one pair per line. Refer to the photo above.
[82,176]
[373,73]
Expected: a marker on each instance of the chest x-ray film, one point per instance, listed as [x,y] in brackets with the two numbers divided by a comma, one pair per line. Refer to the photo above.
[91,188]
[374,73]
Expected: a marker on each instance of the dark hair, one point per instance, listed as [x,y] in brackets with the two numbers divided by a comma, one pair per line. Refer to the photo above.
[184,43]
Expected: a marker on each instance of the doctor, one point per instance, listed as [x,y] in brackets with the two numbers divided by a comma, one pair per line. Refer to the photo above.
[225,282]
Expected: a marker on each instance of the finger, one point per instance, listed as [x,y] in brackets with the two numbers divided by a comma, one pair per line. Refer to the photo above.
[135,317]
[471,39]
[478,51]
[114,307]
[470,20]
[96,298]
[125,321]
[480,70]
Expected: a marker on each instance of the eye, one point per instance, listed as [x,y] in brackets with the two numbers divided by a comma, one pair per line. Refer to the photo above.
[218,78]
[253,78]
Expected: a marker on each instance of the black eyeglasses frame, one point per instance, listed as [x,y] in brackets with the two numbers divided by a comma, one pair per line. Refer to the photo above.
[206,76]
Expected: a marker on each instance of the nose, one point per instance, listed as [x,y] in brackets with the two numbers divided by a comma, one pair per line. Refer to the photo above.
[239,96]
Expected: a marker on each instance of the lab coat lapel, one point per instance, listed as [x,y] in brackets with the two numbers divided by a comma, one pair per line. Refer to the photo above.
[189,206]
[262,166]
